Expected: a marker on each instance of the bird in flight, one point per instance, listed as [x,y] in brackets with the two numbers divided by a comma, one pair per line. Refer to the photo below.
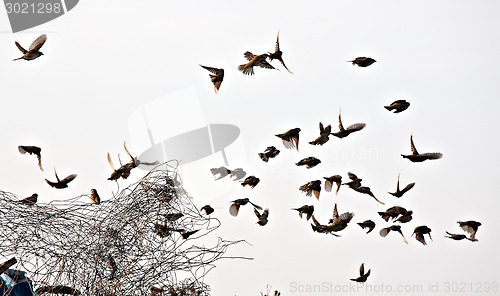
[362,61]
[324,133]
[344,132]
[329,183]
[456,236]
[392,213]
[32,150]
[33,51]
[367,190]
[362,275]
[216,77]
[262,217]
[124,170]
[367,224]
[417,157]
[251,181]
[470,227]
[400,193]
[254,60]
[405,218]
[309,162]
[385,231]
[270,152]
[338,223]
[312,187]
[235,206]
[290,138]
[419,233]
[398,106]
[277,54]
[305,209]
[208,209]
[59,184]
[355,181]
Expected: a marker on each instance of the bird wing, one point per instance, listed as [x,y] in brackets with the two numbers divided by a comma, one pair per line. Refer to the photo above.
[217,86]
[420,238]
[384,231]
[111,162]
[352,176]
[264,64]
[255,206]
[432,155]
[57,177]
[283,63]
[397,186]
[408,187]
[335,213]
[248,55]
[125,146]
[265,214]
[257,213]
[341,127]
[277,48]
[296,139]
[37,44]
[21,48]
[215,71]
[413,149]
[328,185]
[321,128]
[362,269]
[346,217]
[327,130]
[233,209]
[68,178]
[356,127]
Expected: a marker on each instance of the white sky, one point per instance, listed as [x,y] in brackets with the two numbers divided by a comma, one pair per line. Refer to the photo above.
[106,59]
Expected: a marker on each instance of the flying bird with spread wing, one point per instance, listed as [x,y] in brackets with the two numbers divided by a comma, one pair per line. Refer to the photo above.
[367,224]
[398,106]
[397,228]
[392,213]
[344,132]
[262,217]
[235,206]
[254,60]
[251,181]
[217,76]
[456,236]
[362,275]
[337,179]
[32,150]
[59,184]
[270,152]
[305,209]
[470,227]
[419,233]
[362,61]
[33,51]
[417,157]
[312,187]
[309,162]
[400,193]
[290,138]
[324,133]
[277,54]
[338,223]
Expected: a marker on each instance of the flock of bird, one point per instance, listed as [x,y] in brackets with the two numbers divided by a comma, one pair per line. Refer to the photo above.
[290,140]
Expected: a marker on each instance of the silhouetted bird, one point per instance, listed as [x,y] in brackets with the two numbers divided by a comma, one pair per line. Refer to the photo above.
[312,187]
[470,227]
[33,51]
[333,179]
[124,170]
[7,264]
[355,181]
[385,231]
[216,77]
[61,183]
[417,157]
[305,209]
[405,218]
[419,233]
[362,275]
[362,61]
[254,60]
[262,217]
[94,197]
[400,193]
[208,209]
[235,207]
[219,173]
[251,181]
[367,224]
[187,234]
[32,150]
[238,174]
[324,133]
[58,289]
[366,190]
[290,138]
[270,152]
[398,106]
[338,223]
[277,54]
[30,200]
[392,212]
[309,162]
[456,236]
[344,132]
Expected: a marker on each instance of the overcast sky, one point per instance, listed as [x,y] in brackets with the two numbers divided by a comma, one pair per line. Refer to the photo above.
[105,60]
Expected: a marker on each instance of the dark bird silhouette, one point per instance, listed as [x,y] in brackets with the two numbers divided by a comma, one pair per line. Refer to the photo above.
[367,224]
[309,162]
[112,265]
[58,289]
[385,231]
[456,236]
[362,275]
[7,264]
[419,233]
[277,54]
[216,77]
[392,213]
[470,227]
[338,223]
[220,173]
[238,174]
[398,106]
[33,51]
[208,209]
[30,200]
[344,132]
[254,60]
[235,206]
[305,209]
[333,179]
[251,181]
[405,218]
[312,187]
[262,217]
[32,150]
[94,197]
[400,193]
[61,183]
[324,133]
[270,152]
[417,157]
[124,170]
[355,181]
[187,234]
[367,190]
[290,138]
[362,61]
